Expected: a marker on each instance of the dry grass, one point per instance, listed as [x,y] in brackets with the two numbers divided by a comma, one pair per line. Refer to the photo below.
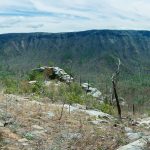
[56,133]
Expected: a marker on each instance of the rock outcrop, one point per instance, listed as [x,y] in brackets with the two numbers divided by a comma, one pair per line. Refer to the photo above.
[55,73]
[141,144]
[91,90]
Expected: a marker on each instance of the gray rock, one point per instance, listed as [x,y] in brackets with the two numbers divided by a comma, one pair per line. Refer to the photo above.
[36,103]
[140,144]
[62,75]
[23,140]
[144,122]
[1,124]
[98,114]
[25,144]
[56,72]
[91,91]
[97,122]
[38,134]
[95,113]
[128,130]
[79,106]
[50,114]
[71,136]
[37,127]
[134,136]
[32,82]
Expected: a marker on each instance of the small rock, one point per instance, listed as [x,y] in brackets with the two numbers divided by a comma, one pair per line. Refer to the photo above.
[50,114]
[97,122]
[98,114]
[128,130]
[71,136]
[23,140]
[38,134]
[79,106]
[25,144]
[32,82]
[75,135]
[36,102]
[1,124]
[37,127]
[71,108]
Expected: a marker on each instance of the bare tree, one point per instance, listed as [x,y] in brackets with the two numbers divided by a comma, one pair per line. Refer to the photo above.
[133,109]
[62,110]
[114,84]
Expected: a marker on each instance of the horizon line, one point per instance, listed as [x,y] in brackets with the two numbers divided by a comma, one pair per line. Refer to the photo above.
[135,30]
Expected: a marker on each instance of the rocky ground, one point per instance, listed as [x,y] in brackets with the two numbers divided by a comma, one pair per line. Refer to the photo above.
[28,123]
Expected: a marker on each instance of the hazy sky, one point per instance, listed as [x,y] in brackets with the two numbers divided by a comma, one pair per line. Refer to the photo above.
[73,15]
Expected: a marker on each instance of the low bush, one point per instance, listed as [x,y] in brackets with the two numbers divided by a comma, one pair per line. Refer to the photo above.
[72,93]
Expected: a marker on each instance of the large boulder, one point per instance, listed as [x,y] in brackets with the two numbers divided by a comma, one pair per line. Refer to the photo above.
[62,75]
[141,144]
[145,122]
[94,113]
[91,91]
[55,73]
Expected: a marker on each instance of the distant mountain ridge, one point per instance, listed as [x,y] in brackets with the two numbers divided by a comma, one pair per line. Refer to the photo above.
[93,51]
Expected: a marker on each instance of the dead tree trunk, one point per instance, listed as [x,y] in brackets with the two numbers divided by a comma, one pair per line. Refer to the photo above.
[133,109]
[80,80]
[112,96]
[117,99]
[114,84]
[62,110]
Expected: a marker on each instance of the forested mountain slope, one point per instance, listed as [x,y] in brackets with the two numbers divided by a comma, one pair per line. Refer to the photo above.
[94,51]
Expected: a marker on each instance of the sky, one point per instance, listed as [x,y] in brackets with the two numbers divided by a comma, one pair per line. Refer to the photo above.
[73,15]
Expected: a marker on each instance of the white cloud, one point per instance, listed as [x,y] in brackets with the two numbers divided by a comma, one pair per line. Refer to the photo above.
[76,15]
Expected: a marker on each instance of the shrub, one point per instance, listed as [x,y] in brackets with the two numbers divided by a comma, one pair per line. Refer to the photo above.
[106,108]
[35,75]
[11,85]
[51,92]
[72,93]
[29,136]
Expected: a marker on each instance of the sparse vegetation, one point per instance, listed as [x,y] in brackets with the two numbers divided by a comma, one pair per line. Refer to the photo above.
[37,112]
